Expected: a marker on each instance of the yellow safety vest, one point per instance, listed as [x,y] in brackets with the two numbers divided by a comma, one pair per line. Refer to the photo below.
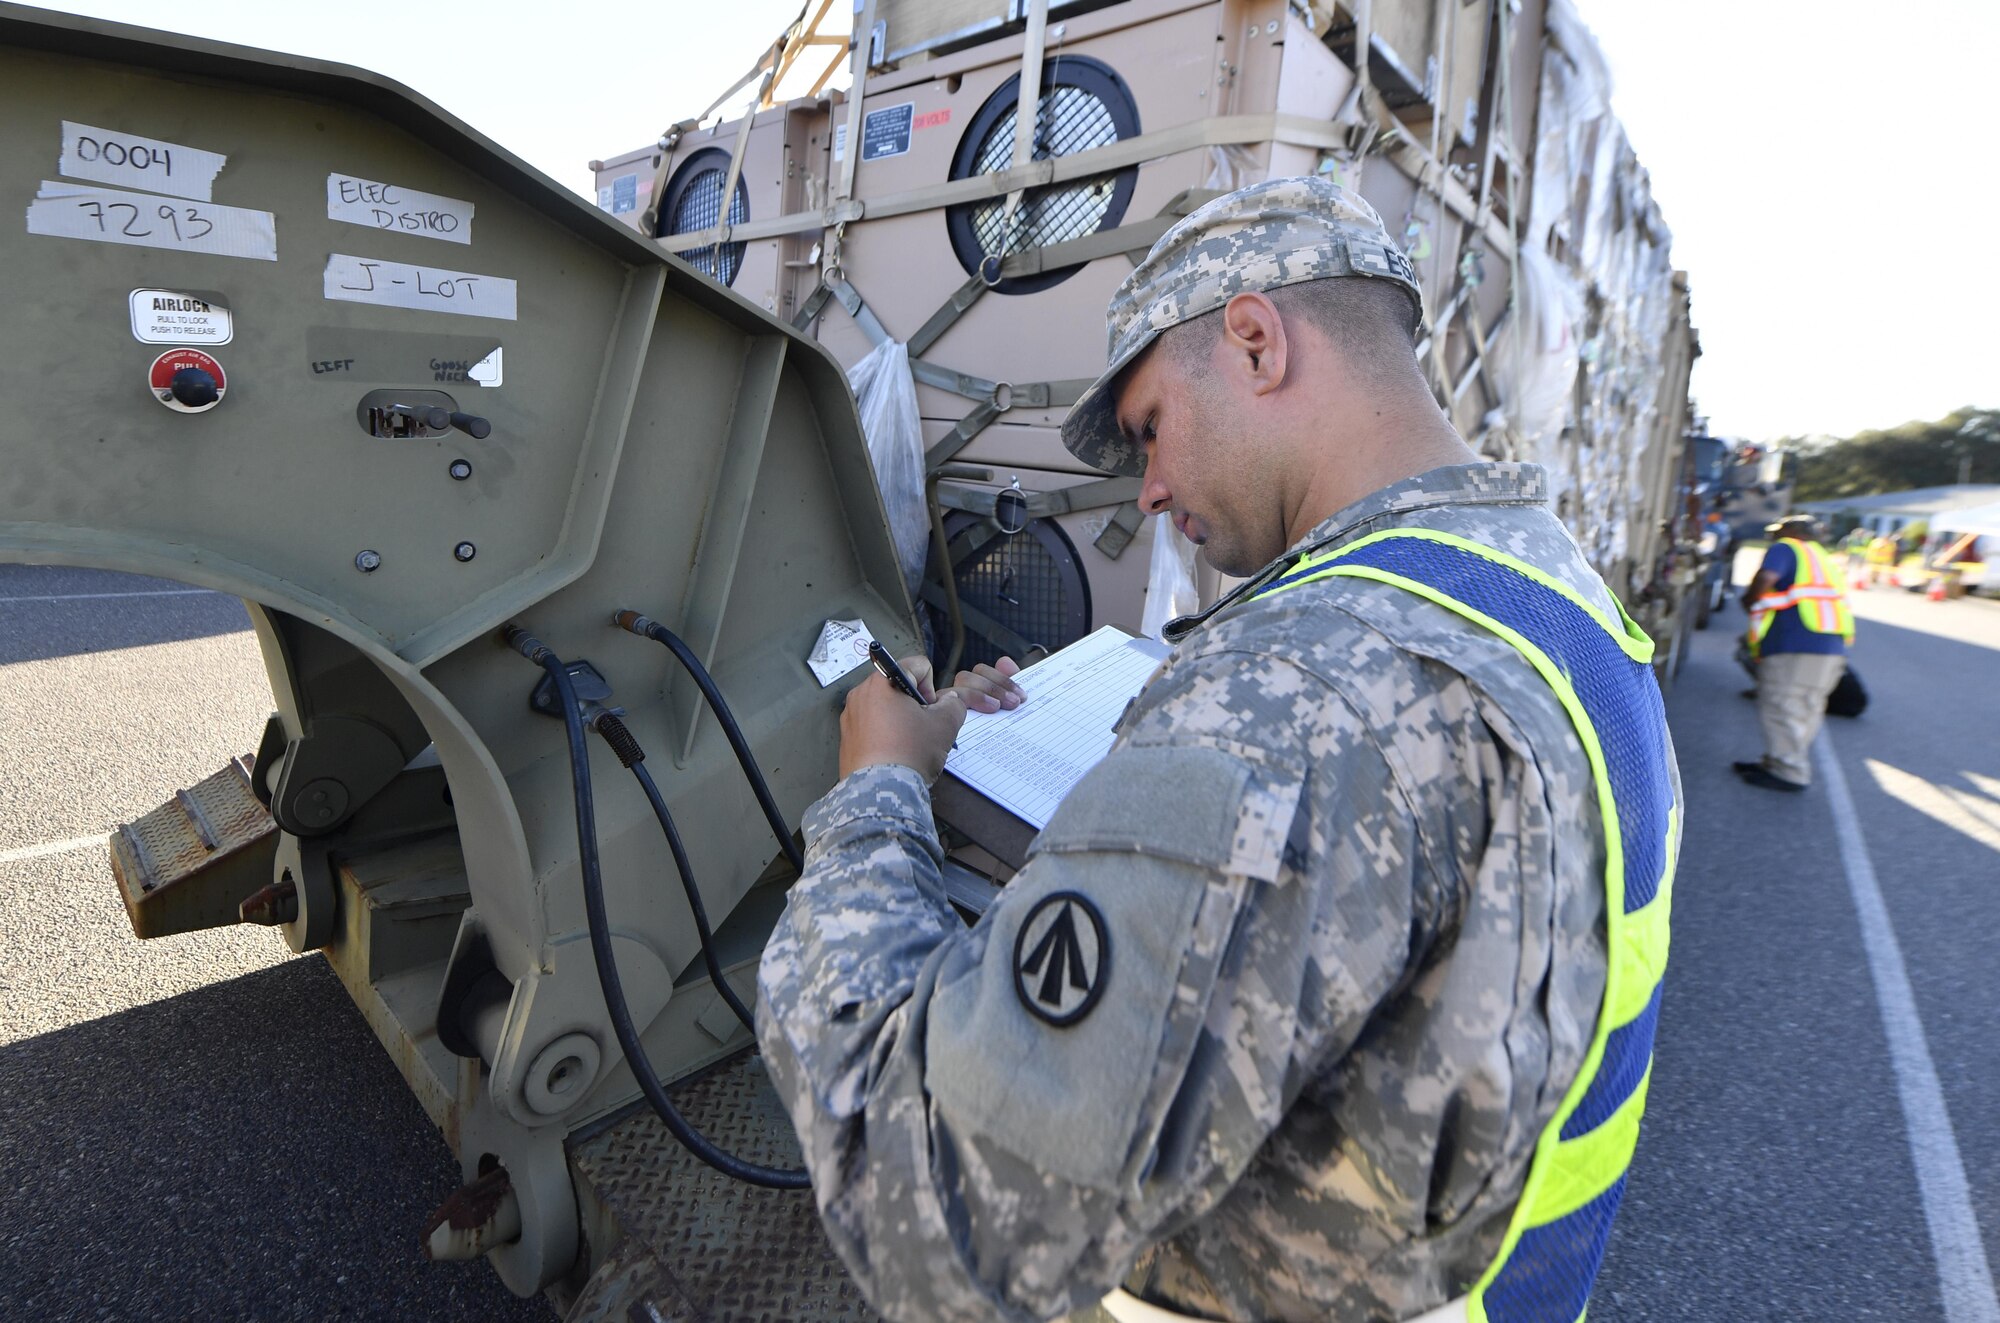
[1818,592]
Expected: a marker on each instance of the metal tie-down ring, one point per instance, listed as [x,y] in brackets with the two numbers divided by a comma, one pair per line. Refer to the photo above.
[1010,509]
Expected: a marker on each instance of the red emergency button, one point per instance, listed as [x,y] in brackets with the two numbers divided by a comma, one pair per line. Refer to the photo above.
[187,381]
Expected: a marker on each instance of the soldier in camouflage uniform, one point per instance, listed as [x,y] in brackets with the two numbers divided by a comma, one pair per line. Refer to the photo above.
[1269,1023]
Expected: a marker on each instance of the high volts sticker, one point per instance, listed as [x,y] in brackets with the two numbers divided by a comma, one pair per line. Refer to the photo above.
[187,381]
[180,317]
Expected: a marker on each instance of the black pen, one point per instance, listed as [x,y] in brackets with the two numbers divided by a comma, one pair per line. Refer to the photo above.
[893,673]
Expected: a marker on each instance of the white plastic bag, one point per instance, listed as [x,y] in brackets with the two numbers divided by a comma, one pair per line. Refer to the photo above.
[1170,589]
[1538,355]
[887,395]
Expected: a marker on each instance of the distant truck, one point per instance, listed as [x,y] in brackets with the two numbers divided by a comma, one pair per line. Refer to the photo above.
[1757,491]
[1740,489]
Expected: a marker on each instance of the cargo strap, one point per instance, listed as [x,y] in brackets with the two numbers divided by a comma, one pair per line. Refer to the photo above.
[814,304]
[863,315]
[1040,395]
[1118,534]
[1222,131]
[1028,108]
[1003,395]
[1001,637]
[995,397]
[1111,540]
[1134,240]
[1044,505]
[961,436]
[947,314]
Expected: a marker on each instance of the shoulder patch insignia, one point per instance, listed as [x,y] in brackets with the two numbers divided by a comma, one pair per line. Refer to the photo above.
[1062,958]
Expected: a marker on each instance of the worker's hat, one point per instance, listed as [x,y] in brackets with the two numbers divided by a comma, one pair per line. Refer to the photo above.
[1280,232]
[1805,525]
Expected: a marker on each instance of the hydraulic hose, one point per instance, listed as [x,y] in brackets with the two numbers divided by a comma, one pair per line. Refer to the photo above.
[623,743]
[775,1178]
[653,629]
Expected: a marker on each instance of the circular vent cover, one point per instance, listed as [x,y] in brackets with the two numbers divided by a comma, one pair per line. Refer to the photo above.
[1084,105]
[1032,584]
[694,202]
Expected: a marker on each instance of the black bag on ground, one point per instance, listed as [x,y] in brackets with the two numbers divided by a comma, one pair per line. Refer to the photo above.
[1849,698]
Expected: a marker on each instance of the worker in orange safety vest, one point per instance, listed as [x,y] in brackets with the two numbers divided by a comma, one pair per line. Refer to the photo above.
[1800,628]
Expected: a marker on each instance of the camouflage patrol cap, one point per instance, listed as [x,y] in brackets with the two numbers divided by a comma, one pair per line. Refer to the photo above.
[1280,232]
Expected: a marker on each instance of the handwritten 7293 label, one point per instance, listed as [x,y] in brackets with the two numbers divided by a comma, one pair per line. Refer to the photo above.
[145,220]
[352,279]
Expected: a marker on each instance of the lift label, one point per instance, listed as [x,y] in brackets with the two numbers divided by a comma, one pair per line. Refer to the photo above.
[175,317]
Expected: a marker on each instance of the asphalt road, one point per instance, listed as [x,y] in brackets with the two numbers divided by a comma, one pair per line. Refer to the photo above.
[1775,1178]
[202,1126]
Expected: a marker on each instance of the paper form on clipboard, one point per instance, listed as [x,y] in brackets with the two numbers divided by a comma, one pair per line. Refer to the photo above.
[1026,760]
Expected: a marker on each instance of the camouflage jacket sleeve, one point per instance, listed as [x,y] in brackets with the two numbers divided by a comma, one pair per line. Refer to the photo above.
[1000,1119]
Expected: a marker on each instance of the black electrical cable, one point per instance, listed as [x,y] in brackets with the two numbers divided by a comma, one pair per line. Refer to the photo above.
[775,1178]
[653,629]
[626,746]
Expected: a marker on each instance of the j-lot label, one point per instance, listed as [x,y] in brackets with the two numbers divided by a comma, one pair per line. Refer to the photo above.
[179,317]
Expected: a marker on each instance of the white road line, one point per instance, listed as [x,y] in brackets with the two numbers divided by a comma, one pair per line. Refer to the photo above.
[51,847]
[1964,1277]
[99,597]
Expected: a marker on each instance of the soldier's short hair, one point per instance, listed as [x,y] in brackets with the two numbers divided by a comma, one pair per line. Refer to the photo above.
[1372,324]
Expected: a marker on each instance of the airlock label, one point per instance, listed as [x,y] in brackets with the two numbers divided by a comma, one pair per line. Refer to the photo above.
[174,317]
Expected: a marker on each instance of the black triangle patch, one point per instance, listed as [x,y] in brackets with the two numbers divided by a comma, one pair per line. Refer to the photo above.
[1062,958]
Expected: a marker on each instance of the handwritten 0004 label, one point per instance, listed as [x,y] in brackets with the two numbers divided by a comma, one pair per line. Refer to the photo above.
[352,279]
[133,160]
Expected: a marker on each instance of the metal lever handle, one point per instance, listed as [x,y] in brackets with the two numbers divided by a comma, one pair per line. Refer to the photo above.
[424,415]
[476,428]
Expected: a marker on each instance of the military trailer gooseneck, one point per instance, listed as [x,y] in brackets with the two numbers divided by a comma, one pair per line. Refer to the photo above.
[299,336]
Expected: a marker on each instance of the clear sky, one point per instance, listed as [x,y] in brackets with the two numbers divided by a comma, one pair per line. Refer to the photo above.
[1826,167]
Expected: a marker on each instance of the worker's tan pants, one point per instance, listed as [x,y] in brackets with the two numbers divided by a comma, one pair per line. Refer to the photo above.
[1791,702]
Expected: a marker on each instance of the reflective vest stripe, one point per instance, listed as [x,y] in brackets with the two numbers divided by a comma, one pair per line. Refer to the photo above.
[1598,669]
[1818,593]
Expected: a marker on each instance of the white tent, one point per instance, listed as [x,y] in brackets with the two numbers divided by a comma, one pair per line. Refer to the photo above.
[1981,519]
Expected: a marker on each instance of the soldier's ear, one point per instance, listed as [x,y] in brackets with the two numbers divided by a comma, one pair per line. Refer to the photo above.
[1255,334]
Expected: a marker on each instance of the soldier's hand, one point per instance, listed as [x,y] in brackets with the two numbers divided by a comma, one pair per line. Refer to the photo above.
[991,688]
[881,724]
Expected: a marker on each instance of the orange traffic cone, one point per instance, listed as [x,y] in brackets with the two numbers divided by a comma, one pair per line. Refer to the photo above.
[1935,592]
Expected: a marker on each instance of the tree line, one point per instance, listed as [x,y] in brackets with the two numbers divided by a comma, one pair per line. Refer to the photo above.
[1962,446]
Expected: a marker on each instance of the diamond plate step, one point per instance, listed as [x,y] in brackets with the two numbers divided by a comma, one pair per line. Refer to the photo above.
[690,1245]
[188,864]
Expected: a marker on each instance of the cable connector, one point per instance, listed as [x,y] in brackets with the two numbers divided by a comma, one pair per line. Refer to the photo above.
[520,640]
[619,738]
[636,623]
